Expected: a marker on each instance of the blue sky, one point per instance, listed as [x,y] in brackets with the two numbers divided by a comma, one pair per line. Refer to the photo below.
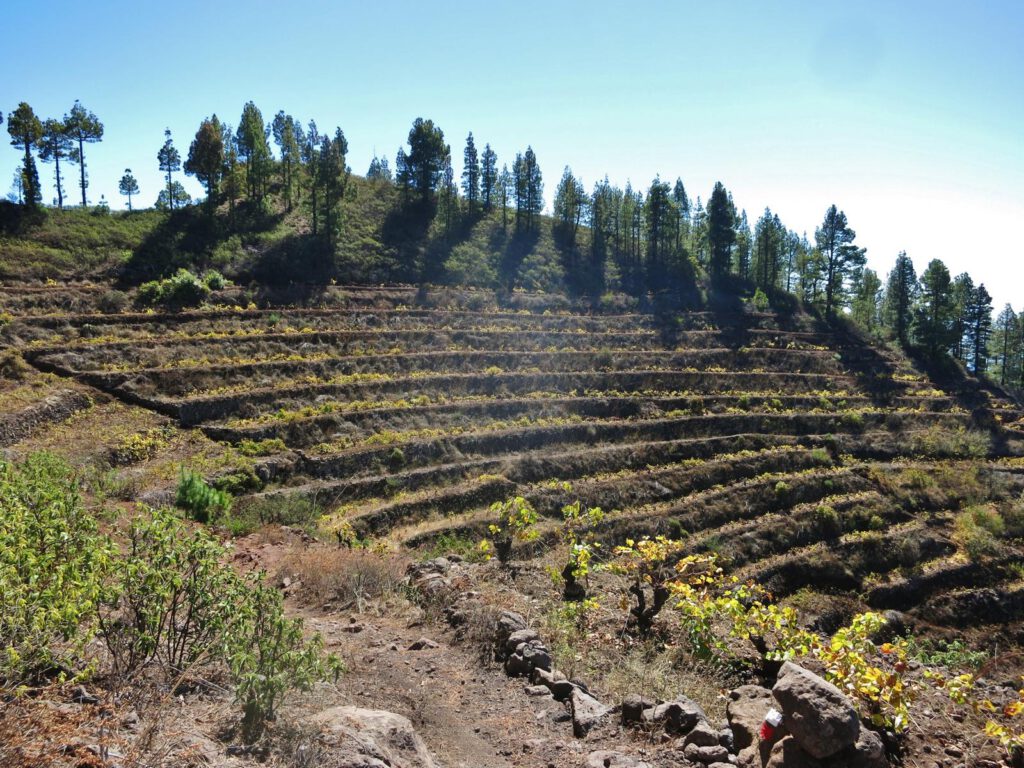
[906,115]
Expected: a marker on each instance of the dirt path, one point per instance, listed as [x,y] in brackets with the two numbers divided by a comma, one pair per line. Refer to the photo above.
[470,714]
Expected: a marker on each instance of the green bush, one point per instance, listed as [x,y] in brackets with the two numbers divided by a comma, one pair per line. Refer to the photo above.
[53,566]
[183,289]
[174,601]
[202,502]
[267,655]
[214,280]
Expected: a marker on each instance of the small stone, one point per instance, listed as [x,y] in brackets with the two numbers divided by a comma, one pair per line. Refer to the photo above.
[424,643]
[518,637]
[537,690]
[587,712]
[703,735]
[708,754]
[81,696]
[633,708]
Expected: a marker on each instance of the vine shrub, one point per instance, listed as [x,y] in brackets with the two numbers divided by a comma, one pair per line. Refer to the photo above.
[646,564]
[576,526]
[517,520]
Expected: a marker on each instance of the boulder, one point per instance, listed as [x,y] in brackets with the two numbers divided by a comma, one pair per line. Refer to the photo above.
[587,712]
[423,644]
[703,735]
[369,738]
[867,752]
[745,712]
[820,717]
[633,708]
[519,637]
[786,753]
[678,716]
[536,655]
[707,754]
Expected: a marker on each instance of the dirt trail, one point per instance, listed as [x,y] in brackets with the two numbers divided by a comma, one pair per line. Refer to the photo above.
[470,714]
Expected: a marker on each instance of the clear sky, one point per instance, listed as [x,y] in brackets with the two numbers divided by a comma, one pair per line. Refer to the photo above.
[907,115]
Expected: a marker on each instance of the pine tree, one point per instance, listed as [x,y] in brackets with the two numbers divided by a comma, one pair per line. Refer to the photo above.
[311,161]
[285,131]
[170,161]
[83,128]
[867,294]
[333,177]
[978,329]
[471,176]
[683,208]
[840,257]
[426,158]
[900,295]
[379,170]
[504,189]
[570,207]
[534,189]
[721,232]
[26,131]
[661,217]
[173,197]
[254,150]
[206,158]
[769,246]
[231,182]
[933,315]
[961,293]
[54,146]
[488,177]
[744,245]
[448,198]
[128,186]
[1005,342]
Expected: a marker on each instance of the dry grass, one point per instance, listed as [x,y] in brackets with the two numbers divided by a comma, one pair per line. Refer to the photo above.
[346,578]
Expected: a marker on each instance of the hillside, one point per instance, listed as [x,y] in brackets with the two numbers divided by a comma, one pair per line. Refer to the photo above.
[830,472]
[271,245]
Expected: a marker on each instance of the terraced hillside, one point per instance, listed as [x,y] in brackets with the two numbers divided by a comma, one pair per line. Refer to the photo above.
[803,456]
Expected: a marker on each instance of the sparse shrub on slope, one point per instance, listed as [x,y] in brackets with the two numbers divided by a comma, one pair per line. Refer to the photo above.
[53,566]
[168,600]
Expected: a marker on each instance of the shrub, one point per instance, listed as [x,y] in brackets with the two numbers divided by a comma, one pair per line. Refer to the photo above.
[760,300]
[112,302]
[13,366]
[250,514]
[646,563]
[138,446]
[183,289]
[214,280]
[268,447]
[267,656]
[174,599]
[202,502]
[53,566]
[516,521]
[350,577]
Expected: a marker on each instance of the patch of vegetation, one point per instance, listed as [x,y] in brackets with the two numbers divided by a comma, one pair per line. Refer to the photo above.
[182,289]
[167,599]
[201,502]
